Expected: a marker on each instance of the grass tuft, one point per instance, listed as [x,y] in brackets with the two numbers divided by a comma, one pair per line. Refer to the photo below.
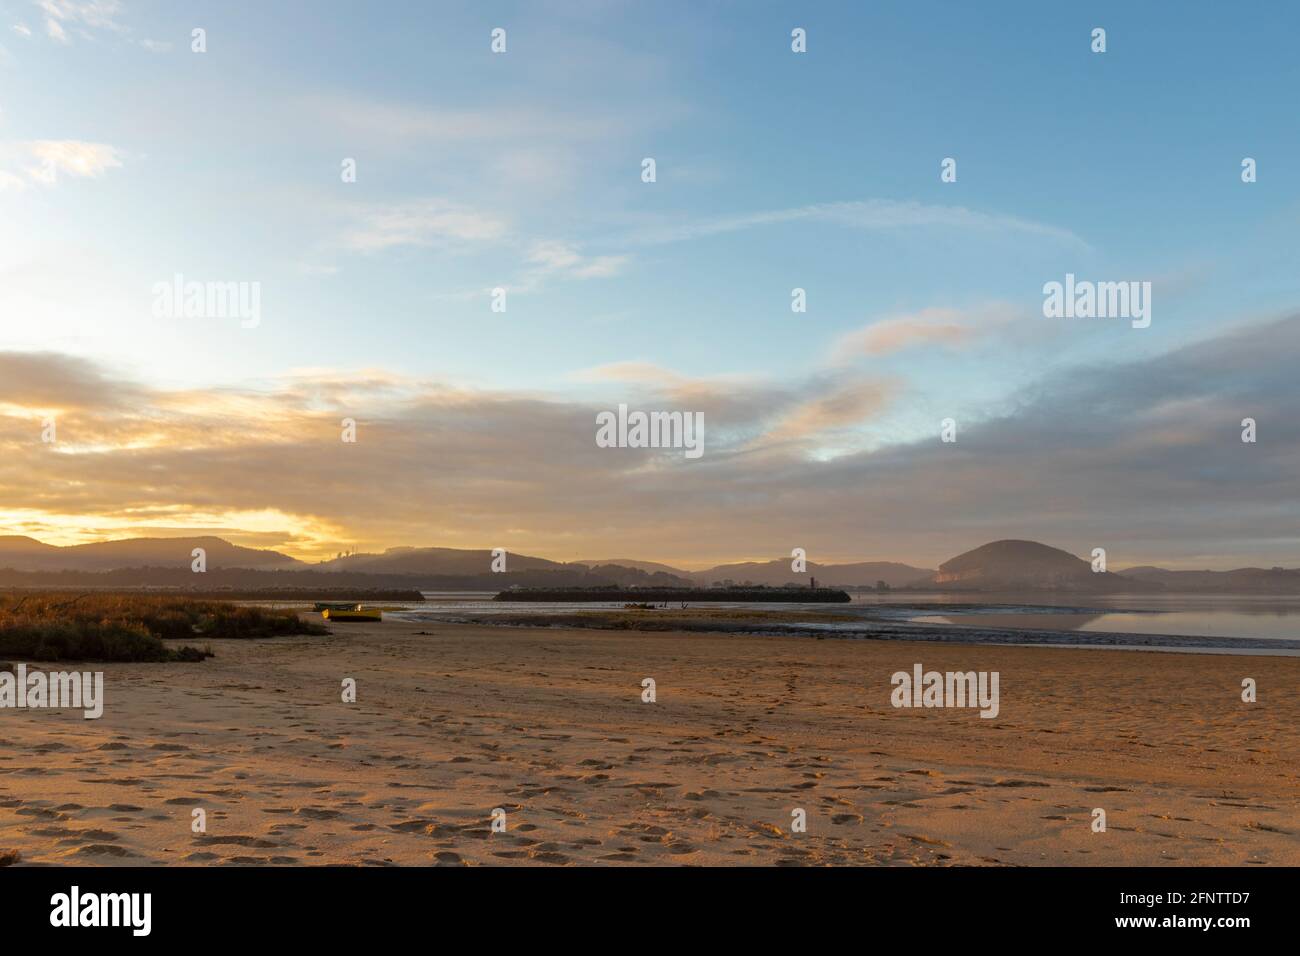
[56,626]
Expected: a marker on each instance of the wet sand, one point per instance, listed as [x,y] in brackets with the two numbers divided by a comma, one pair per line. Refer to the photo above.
[549,726]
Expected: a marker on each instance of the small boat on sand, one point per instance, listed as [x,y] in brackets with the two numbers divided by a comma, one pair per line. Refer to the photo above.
[355,613]
[336,606]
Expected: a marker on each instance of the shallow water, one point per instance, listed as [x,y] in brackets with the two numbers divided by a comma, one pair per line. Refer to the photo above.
[1265,617]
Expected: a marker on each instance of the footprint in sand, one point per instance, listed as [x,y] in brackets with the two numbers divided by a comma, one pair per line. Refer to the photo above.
[314,813]
[237,840]
[550,857]
[1018,783]
[426,827]
[92,836]
[41,813]
[102,849]
[929,841]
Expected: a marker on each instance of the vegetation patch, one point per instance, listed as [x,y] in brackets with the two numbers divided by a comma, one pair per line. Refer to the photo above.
[58,626]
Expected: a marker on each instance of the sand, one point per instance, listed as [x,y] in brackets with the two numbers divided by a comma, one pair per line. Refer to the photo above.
[548,725]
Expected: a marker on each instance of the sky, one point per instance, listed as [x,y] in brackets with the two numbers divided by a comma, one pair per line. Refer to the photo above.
[127,158]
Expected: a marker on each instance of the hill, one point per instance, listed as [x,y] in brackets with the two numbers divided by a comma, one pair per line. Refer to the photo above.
[649,566]
[777,573]
[1013,565]
[1238,581]
[434,561]
[1008,565]
[27,554]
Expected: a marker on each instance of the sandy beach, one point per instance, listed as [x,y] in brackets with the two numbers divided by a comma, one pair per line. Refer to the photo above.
[454,721]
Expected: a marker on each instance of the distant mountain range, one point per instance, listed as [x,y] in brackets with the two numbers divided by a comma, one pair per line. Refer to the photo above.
[1252,580]
[27,554]
[1009,565]
[1013,565]
[772,573]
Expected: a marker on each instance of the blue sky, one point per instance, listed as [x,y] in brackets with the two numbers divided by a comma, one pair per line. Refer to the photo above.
[521,170]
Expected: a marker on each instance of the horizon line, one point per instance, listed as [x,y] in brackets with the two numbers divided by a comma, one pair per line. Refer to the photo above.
[672,564]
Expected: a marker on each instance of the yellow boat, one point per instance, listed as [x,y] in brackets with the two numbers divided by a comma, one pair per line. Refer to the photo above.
[357,613]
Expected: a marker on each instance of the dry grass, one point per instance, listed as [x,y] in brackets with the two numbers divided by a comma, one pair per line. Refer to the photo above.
[56,626]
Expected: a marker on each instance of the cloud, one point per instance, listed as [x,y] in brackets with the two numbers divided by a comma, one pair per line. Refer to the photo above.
[946,327]
[600,267]
[421,223]
[435,222]
[875,214]
[22,29]
[639,372]
[552,257]
[84,15]
[1142,457]
[531,123]
[844,406]
[69,157]
[183,458]
[739,401]
[48,381]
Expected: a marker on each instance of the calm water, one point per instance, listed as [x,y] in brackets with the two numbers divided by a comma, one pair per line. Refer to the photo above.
[1202,617]
[1265,617]
[1193,615]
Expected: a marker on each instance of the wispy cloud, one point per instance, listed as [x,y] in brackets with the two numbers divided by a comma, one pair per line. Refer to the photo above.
[84,16]
[945,327]
[436,222]
[741,399]
[70,157]
[876,214]
[421,223]
[44,161]
[555,258]
[388,122]
[840,408]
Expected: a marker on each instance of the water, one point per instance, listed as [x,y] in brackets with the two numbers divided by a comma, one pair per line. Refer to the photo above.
[1263,617]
